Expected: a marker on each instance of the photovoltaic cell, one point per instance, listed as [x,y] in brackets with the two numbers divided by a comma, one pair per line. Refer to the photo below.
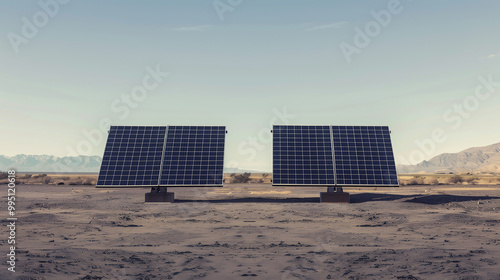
[132,156]
[364,156]
[194,155]
[302,155]
[361,156]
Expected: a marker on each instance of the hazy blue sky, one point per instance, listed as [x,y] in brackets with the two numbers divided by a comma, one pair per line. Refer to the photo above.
[237,65]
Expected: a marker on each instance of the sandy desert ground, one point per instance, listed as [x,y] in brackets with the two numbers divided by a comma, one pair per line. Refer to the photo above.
[256,231]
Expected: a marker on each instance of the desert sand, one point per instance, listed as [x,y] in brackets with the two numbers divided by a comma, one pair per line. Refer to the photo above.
[256,231]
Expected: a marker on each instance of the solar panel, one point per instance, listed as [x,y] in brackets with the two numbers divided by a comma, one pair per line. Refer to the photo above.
[302,155]
[194,155]
[132,156]
[364,156]
[333,156]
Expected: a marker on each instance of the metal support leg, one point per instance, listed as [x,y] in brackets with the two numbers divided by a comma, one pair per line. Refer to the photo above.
[158,189]
[335,190]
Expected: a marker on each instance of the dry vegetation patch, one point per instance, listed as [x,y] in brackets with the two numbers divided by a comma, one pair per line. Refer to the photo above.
[447,179]
[52,179]
[262,178]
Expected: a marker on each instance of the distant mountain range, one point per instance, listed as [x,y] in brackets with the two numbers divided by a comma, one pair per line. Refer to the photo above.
[53,164]
[47,163]
[475,160]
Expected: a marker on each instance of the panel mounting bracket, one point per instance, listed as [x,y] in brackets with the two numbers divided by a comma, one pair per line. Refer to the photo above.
[335,189]
[158,189]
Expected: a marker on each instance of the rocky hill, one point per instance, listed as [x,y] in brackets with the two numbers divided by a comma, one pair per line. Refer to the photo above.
[476,160]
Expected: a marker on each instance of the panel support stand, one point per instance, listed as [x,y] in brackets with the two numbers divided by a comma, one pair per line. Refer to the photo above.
[159,194]
[334,195]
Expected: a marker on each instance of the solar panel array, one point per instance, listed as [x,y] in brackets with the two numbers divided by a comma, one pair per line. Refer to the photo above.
[333,155]
[138,156]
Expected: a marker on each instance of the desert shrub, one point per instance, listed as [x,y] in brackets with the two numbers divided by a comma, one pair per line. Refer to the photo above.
[260,181]
[27,176]
[242,178]
[77,181]
[411,182]
[46,180]
[264,175]
[4,175]
[417,180]
[232,175]
[433,181]
[471,180]
[456,179]
[65,178]
[39,176]
[87,182]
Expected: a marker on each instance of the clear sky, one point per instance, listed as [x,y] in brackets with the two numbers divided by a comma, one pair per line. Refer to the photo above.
[415,66]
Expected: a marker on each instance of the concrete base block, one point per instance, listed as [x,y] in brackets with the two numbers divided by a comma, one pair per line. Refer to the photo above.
[160,197]
[332,197]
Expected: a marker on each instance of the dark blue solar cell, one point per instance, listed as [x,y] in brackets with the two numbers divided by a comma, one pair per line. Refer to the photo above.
[364,156]
[194,155]
[132,156]
[302,155]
